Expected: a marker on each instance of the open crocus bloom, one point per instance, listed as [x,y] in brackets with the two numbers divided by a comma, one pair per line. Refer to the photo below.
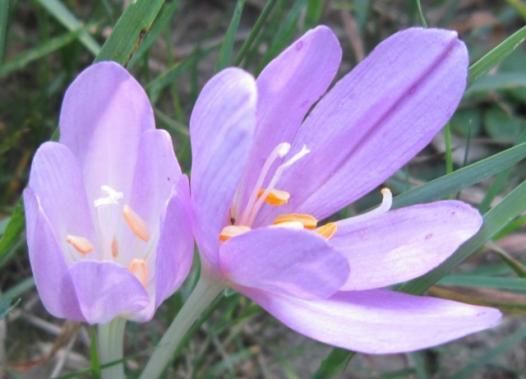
[264,174]
[107,206]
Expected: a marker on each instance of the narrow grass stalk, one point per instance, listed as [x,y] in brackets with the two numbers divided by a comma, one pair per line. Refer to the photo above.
[203,295]
[110,345]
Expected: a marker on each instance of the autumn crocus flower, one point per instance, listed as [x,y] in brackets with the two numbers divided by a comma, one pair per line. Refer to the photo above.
[106,206]
[267,171]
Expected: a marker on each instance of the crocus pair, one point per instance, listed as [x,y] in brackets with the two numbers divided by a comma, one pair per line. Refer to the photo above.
[109,212]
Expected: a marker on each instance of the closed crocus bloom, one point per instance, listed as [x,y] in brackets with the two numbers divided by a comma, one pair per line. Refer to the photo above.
[267,169]
[107,206]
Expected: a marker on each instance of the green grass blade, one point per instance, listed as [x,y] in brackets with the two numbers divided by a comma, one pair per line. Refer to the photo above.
[497,82]
[497,54]
[162,22]
[23,59]
[63,15]
[464,177]
[13,231]
[4,19]
[129,31]
[479,281]
[421,15]
[227,48]
[508,344]
[333,363]
[255,31]
[496,219]
[314,12]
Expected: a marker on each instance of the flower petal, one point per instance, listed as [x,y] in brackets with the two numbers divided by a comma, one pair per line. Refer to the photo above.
[287,88]
[49,268]
[156,173]
[404,243]
[56,179]
[378,321]
[106,290]
[221,129]
[281,260]
[394,101]
[175,250]
[104,112]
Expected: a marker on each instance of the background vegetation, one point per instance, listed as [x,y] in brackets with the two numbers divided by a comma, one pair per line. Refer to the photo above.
[173,47]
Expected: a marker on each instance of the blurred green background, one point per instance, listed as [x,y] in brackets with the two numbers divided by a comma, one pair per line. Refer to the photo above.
[173,47]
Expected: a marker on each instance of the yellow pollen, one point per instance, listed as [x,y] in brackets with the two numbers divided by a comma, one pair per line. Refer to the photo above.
[81,244]
[231,231]
[114,248]
[139,268]
[328,230]
[136,223]
[275,197]
[308,221]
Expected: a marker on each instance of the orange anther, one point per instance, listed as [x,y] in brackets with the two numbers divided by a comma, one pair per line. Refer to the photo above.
[308,221]
[139,268]
[81,244]
[136,223]
[328,230]
[231,231]
[114,248]
[275,197]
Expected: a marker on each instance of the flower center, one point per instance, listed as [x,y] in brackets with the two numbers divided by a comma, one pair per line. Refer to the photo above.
[273,196]
[111,214]
[240,223]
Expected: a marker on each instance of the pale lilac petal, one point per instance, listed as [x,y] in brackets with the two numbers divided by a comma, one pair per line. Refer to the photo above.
[106,290]
[287,88]
[175,249]
[404,243]
[378,321]
[294,262]
[48,264]
[104,112]
[156,174]
[221,130]
[376,119]
[56,179]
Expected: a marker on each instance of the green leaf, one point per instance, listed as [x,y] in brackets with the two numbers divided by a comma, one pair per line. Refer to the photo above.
[314,12]
[479,281]
[335,362]
[4,20]
[497,82]
[502,126]
[59,11]
[14,229]
[255,32]
[464,177]
[497,54]
[497,218]
[129,31]
[162,22]
[23,59]
[227,48]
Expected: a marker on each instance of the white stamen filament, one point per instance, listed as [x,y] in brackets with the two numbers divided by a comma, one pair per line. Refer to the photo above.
[252,212]
[387,202]
[279,152]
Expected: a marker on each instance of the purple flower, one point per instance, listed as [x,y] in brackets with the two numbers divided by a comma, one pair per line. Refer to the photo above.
[266,169]
[107,206]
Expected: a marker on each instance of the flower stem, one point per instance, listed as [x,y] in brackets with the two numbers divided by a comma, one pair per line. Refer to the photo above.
[110,345]
[204,293]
